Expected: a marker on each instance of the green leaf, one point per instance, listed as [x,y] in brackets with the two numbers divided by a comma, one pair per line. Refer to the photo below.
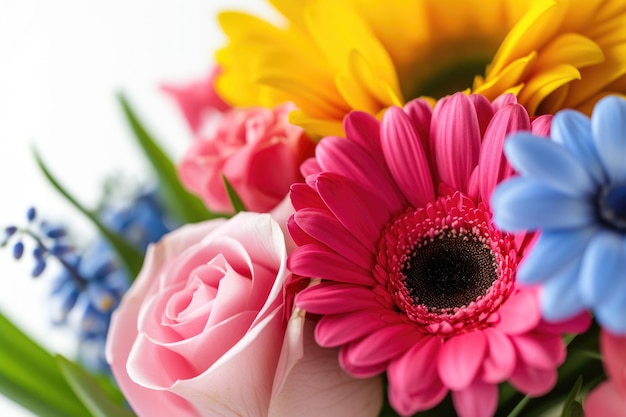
[30,377]
[234,198]
[569,406]
[130,257]
[180,203]
[88,389]
[574,409]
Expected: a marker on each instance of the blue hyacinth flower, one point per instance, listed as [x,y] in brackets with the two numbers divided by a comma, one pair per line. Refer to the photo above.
[572,189]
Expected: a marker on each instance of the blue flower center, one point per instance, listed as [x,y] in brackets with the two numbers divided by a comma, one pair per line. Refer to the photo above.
[612,206]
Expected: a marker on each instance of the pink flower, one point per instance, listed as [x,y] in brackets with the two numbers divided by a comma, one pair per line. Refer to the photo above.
[202,332]
[256,149]
[198,101]
[416,279]
[609,398]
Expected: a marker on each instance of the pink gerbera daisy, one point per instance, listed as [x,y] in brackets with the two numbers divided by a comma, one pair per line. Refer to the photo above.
[415,278]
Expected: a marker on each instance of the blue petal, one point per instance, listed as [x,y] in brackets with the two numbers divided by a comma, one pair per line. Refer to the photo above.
[608,123]
[553,251]
[550,162]
[573,130]
[603,268]
[613,315]
[560,298]
[528,204]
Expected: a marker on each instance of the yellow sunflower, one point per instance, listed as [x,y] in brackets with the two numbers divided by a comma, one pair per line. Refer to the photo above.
[333,56]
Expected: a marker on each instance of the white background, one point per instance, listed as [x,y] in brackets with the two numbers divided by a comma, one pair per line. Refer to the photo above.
[61,64]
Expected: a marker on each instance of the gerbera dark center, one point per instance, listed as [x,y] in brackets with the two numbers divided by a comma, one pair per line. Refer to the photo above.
[450,271]
[612,206]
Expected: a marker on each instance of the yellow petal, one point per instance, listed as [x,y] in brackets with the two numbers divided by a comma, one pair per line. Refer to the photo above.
[540,86]
[569,48]
[512,75]
[316,128]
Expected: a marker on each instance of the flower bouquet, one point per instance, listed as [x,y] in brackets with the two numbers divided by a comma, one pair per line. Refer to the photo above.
[406,208]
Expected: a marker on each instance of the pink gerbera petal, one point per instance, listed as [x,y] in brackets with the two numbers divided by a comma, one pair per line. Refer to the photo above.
[478,400]
[461,358]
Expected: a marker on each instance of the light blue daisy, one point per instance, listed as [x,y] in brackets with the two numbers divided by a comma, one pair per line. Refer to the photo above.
[572,189]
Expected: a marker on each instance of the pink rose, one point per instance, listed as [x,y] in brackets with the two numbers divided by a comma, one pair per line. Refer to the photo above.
[256,149]
[609,398]
[198,100]
[202,332]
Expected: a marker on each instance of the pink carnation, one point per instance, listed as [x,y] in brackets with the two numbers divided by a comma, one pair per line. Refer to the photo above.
[416,279]
[256,149]
[609,398]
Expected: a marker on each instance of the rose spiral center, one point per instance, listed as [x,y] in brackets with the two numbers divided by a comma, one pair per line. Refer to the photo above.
[450,271]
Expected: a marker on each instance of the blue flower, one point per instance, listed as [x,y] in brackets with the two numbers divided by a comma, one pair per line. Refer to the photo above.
[572,189]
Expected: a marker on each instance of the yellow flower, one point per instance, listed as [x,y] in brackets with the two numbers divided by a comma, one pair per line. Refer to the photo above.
[333,56]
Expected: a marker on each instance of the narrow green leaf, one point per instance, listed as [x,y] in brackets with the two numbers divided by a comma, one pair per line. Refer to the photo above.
[568,408]
[89,391]
[185,206]
[234,198]
[519,407]
[30,377]
[574,409]
[131,257]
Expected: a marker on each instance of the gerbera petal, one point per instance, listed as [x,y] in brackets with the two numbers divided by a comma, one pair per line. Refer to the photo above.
[500,359]
[560,297]
[302,196]
[608,124]
[364,129]
[335,299]
[352,206]
[541,125]
[339,329]
[382,345]
[478,400]
[460,359]
[550,162]
[420,113]
[485,110]
[316,262]
[572,130]
[528,204]
[520,313]
[540,352]
[492,165]
[413,381]
[605,400]
[331,232]
[612,315]
[602,268]
[554,250]
[406,158]
[347,158]
[533,381]
[455,138]
[577,324]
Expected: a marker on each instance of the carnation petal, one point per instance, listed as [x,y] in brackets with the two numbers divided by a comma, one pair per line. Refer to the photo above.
[478,400]
[554,250]
[460,359]
[608,124]
[406,158]
[528,204]
[549,162]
